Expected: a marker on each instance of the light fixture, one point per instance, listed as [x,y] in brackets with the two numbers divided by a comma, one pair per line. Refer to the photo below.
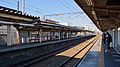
[94,15]
[89,2]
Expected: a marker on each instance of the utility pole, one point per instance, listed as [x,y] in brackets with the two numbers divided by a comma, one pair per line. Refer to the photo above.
[23,6]
[17,6]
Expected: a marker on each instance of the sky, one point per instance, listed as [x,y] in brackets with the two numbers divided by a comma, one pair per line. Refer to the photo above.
[47,7]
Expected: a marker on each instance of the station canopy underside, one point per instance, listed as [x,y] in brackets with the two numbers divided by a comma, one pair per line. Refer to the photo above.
[105,14]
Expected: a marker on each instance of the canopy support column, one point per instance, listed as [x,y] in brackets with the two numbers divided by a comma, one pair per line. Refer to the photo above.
[8,35]
[59,35]
[115,37]
[40,35]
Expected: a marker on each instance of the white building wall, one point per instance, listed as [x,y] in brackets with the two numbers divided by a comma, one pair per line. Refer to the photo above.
[119,37]
[14,35]
[116,38]
[112,34]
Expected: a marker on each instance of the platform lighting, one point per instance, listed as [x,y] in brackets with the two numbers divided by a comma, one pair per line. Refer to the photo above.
[25,14]
[11,11]
[6,10]
[19,13]
[20,27]
[94,15]
[89,2]
[28,14]
[15,12]
[37,17]
[1,9]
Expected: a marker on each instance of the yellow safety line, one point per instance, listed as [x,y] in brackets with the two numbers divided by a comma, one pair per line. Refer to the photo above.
[101,57]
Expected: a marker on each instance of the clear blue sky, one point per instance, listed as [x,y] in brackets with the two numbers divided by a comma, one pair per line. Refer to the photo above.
[46,7]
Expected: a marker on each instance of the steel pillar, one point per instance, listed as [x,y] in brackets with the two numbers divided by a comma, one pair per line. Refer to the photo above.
[40,35]
[69,34]
[8,35]
[115,37]
[59,35]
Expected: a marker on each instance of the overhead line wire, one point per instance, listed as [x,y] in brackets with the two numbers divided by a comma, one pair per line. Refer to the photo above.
[35,7]
[65,5]
[15,5]
[70,5]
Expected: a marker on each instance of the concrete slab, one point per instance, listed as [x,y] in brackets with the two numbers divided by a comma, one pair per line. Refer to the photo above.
[111,59]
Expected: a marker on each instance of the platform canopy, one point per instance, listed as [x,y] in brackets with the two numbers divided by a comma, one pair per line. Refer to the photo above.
[105,14]
[16,17]
[23,21]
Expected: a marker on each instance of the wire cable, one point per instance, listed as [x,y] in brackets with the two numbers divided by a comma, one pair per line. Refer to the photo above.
[16,5]
[65,5]
[33,6]
[70,5]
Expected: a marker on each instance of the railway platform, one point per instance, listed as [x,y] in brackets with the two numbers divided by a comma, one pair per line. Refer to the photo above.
[99,57]
[32,45]
[112,58]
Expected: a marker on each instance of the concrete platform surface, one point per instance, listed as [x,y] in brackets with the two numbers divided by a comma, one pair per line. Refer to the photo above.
[98,57]
[112,58]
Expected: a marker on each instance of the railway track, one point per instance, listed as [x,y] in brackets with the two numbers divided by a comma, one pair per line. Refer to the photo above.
[72,61]
[37,58]
[50,59]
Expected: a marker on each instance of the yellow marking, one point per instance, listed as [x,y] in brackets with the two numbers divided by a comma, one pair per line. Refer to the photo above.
[105,51]
[101,58]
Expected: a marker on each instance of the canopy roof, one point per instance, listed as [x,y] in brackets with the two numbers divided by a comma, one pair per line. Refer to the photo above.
[105,14]
[17,18]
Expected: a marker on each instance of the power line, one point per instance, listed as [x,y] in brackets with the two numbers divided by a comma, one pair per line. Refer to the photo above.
[34,7]
[16,5]
[74,9]
[40,9]
[65,5]
[69,4]
[8,2]
[71,7]
[20,6]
